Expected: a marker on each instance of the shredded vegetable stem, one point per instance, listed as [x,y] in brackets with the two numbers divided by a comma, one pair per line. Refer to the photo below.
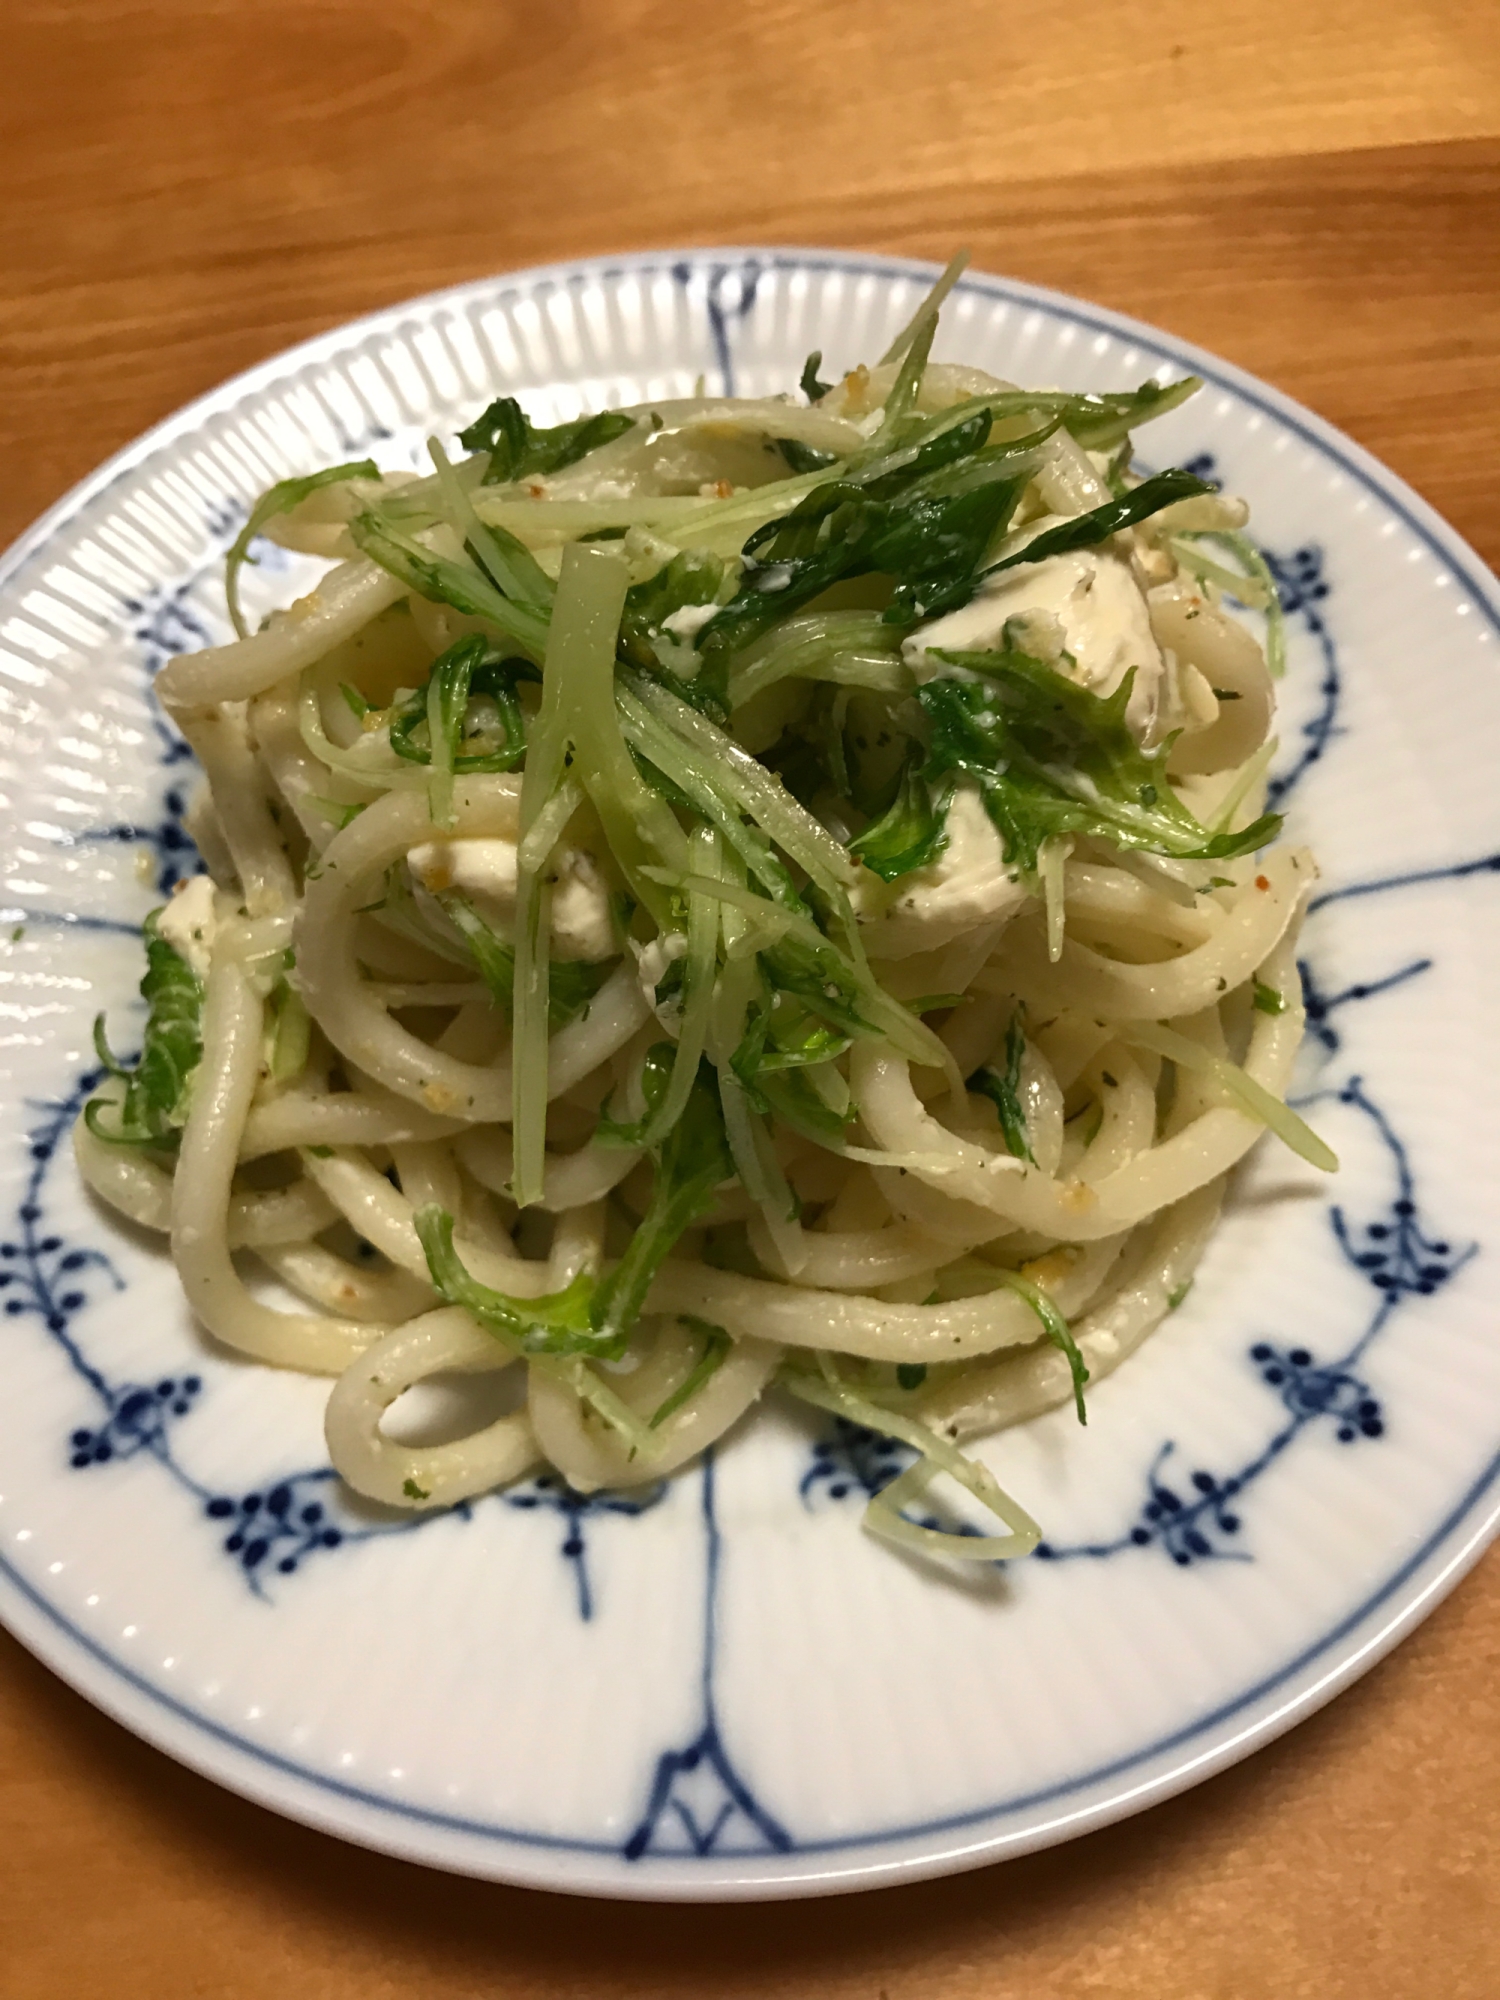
[885,1514]
[591,589]
[731,897]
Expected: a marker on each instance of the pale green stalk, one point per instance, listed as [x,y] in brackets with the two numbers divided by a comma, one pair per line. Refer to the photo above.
[698,989]
[585,620]
[829,1391]
[929,309]
[755,789]
[1251,773]
[1251,1096]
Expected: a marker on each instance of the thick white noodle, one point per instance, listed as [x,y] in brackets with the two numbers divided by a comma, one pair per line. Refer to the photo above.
[142,1191]
[382,1215]
[1073,1210]
[341,1118]
[340,1287]
[438,1475]
[590,1456]
[1082,979]
[221,742]
[568,1180]
[1023,1384]
[344,601]
[905,1242]
[226,1079]
[352,1017]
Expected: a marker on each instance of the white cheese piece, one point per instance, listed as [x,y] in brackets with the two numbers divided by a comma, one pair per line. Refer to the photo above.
[1104,620]
[689,621]
[651,962]
[968,886]
[189,922]
[485,872]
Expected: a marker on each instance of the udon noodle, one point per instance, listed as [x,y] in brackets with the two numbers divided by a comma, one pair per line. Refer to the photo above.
[721,895]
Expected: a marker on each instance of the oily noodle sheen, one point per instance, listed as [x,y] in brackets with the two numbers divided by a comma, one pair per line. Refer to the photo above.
[908,1237]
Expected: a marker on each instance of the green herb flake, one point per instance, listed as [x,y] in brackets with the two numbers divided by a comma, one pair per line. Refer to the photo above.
[519,449]
[1003,1089]
[280,499]
[1266,999]
[1050,759]
[1058,1332]
[158,1090]
[717,1347]
[804,457]
[808,382]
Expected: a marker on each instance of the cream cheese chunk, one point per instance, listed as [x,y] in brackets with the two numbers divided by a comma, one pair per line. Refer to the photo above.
[1100,616]
[188,922]
[485,871]
[968,887]
[688,622]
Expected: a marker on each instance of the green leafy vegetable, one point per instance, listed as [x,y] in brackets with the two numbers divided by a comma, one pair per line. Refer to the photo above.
[804,457]
[1057,1331]
[811,387]
[930,543]
[1086,531]
[573,982]
[1266,999]
[429,727]
[280,499]
[518,449]
[1003,1089]
[158,1091]
[690,1165]
[589,1317]
[1050,758]
[556,1323]
[910,835]
[1251,1096]
[692,576]
[507,562]
[717,1347]
[824,1387]
[442,581]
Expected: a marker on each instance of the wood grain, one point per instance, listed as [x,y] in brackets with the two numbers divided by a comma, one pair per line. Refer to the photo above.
[1310,191]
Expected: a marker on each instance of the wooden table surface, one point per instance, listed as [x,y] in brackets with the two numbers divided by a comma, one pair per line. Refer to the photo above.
[1314,192]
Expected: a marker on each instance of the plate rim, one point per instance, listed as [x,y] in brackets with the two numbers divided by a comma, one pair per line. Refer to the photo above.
[1426,1576]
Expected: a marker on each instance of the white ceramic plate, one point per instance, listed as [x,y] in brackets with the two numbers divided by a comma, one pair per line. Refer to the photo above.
[731,1691]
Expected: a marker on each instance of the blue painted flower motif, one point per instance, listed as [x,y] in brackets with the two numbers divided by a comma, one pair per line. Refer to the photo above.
[1401,1260]
[1321,1007]
[548,1490]
[850,1459]
[174,857]
[1302,587]
[41,1273]
[729,298]
[271,1530]
[137,1420]
[280,1527]
[1313,1389]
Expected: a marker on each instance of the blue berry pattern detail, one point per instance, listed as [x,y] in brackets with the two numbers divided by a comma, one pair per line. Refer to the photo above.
[551,1493]
[852,1460]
